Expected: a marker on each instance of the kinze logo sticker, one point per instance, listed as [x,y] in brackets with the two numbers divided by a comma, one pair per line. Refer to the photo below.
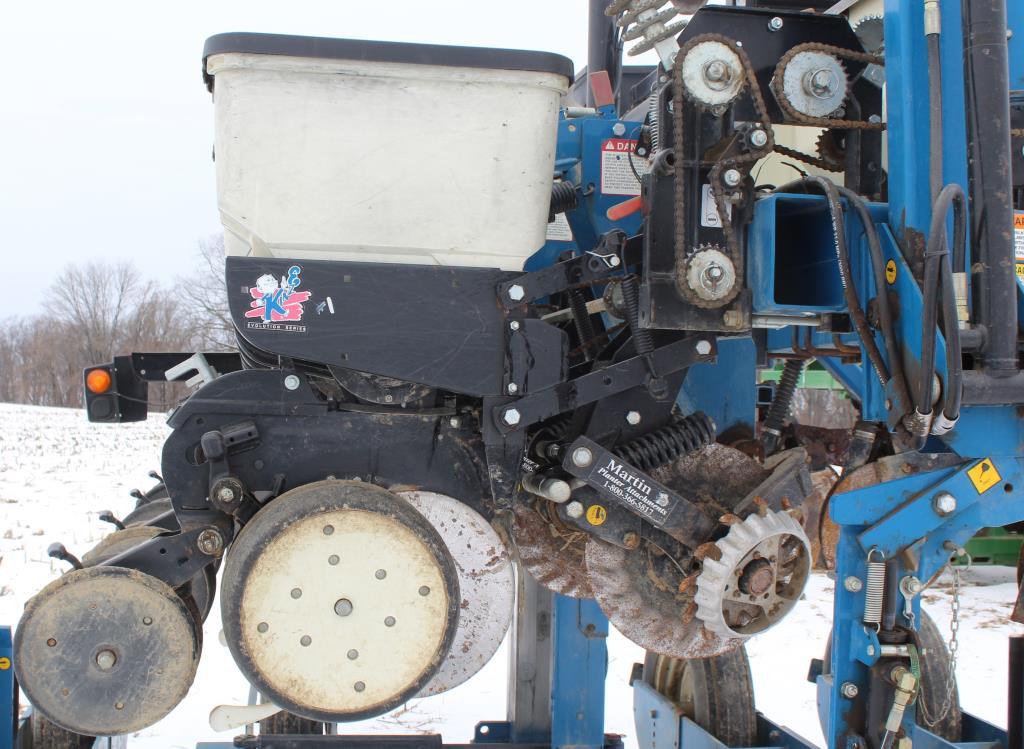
[277,304]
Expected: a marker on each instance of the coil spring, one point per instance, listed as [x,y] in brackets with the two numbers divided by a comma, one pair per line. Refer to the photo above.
[663,446]
[581,317]
[652,117]
[642,340]
[563,198]
[644,19]
[778,412]
[874,592]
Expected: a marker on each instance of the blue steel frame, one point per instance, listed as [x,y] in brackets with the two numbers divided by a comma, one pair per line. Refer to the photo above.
[7,695]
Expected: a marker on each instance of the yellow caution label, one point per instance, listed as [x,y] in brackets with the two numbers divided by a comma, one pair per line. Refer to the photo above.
[596,515]
[890,272]
[5,663]
[984,476]
[1020,270]
[1018,241]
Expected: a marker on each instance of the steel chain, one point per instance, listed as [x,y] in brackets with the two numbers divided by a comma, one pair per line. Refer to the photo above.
[827,122]
[715,176]
[953,645]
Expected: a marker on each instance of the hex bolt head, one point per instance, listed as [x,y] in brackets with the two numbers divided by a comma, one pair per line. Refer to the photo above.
[511,416]
[633,418]
[455,422]
[226,494]
[732,177]
[703,348]
[631,540]
[944,504]
[853,584]
[106,659]
[618,129]
[758,138]
[514,325]
[291,382]
[775,24]
[516,292]
[582,457]
[574,510]
[850,690]
[210,542]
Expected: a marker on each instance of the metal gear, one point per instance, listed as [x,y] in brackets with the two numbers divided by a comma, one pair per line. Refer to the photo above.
[870,30]
[760,574]
[831,148]
[707,278]
[815,83]
[713,74]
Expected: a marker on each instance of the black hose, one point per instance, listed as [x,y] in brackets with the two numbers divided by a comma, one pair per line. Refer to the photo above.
[857,316]
[885,316]
[934,116]
[778,412]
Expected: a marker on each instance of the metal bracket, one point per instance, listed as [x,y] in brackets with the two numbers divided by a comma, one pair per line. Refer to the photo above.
[602,261]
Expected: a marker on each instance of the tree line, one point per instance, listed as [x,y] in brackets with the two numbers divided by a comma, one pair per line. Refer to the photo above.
[97,310]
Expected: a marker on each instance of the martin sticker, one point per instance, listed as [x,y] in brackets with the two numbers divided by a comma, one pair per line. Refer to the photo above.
[652,502]
[276,304]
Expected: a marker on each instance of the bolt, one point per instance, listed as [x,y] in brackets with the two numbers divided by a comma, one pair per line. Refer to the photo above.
[388,397]
[888,405]
[619,129]
[853,584]
[944,504]
[574,510]
[732,177]
[874,119]
[631,540]
[712,275]
[291,382]
[758,138]
[512,388]
[871,650]
[514,325]
[210,542]
[717,75]
[775,24]
[821,83]
[516,292]
[850,690]
[911,585]
[226,494]
[703,347]
[662,499]
[582,457]
[106,659]
[732,318]
[455,422]
[633,418]
[511,416]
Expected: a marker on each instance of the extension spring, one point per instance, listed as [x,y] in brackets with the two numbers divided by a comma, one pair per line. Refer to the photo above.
[663,446]
[874,592]
[644,19]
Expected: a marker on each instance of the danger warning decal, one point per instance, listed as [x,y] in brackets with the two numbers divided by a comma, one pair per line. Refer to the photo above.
[1018,242]
[620,167]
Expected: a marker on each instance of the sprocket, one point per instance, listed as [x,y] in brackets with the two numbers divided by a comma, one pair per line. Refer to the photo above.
[707,278]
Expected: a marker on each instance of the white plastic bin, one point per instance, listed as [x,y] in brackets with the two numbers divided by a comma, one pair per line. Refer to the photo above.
[383,152]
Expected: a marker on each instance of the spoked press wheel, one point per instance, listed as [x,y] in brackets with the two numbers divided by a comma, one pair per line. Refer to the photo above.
[716,693]
[339,601]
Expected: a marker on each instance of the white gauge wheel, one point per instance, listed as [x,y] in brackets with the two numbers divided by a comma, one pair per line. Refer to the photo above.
[486,586]
[339,601]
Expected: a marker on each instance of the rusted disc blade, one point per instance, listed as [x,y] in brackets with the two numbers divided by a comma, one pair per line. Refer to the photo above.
[551,551]
[639,590]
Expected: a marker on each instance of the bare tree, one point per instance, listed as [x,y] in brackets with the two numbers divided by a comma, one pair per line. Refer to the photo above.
[213,327]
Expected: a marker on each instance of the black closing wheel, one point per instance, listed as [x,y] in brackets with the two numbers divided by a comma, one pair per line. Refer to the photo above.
[285,723]
[39,733]
[935,663]
[339,601]
[105,651]
[716,693]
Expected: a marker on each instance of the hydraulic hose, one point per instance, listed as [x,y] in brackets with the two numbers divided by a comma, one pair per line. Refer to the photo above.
[857,316]
[885,316]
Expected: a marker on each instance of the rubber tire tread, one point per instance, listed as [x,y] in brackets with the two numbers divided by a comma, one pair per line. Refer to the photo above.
[724,704]
[43,734]
[285,723]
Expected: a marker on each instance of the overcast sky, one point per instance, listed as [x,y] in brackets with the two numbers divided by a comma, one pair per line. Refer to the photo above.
[106,128]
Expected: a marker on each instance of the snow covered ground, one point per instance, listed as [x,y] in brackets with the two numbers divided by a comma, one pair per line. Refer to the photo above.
[57,472]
